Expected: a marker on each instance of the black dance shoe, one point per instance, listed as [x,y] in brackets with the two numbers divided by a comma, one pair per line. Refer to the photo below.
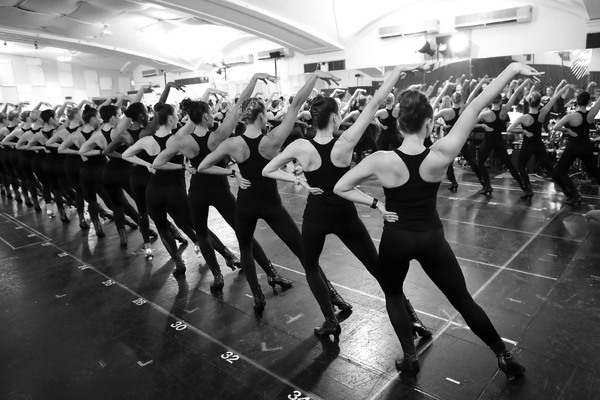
[511,368]
[329,327]
[218,283]
[407,367]
[336,299]
[275,278]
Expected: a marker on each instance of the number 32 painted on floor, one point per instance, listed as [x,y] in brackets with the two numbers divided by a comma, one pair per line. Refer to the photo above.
[296,396]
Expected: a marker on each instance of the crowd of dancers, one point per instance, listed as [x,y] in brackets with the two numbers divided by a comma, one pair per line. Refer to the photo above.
[72,154]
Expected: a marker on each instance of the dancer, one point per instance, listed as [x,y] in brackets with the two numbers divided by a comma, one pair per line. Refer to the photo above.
[410,177]
[389,138]
[258,197]
[450,116]
[530,126]
[165,194]
[324,160]
[212,190]
[577,125]
[495,121]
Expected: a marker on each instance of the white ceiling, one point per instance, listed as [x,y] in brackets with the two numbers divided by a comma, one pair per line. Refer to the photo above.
[185,34]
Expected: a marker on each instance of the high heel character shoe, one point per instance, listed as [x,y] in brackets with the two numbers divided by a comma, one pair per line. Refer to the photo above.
[274,278]
[527,192]
[232,262]
[418,328]
[511,368]
[486,190]
[218,283]
[259,302]
[453,186]
[329,327]
[336,299]
[408,367]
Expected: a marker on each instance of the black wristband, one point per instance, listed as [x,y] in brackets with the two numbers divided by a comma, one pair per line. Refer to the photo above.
[374,203]
[232,174]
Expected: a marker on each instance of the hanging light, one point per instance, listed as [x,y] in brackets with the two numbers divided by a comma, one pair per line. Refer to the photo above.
[35,45]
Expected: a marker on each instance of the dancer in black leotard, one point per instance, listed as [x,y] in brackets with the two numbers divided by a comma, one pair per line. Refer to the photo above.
[165,194]
[450,116]
[410,177]
[324,160]
[495,122]
[210,190]
[531,128]
[577,125]
[115,174]
[73,163]
[258,197]
[389,138]
[90,174]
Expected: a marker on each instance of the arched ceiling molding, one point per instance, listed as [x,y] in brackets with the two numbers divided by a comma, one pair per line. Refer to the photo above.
[93,48]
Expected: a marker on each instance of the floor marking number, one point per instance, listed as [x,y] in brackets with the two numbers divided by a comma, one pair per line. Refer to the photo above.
[230,357]
[31,235]
[139,302]
[62,254]
[83,267]
[295,395]
[109,282]
[46,244]
[179,326]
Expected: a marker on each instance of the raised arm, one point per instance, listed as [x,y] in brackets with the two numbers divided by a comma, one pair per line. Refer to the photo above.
[140,93]
[279,134]
[346,108]
[229,123]
[476,89]
[165,94]
[513,98]
[445,90]
[210,91]
[557,94]
[449,146]
[352,135]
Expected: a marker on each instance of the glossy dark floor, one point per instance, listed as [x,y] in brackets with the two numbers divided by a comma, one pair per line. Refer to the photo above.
[83,319]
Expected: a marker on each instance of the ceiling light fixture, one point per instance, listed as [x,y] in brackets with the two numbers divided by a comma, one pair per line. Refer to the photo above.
[35,45]
[6,44]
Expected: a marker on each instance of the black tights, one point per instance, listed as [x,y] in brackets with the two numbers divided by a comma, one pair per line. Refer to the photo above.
[116,179]
[222,199]
[432,251]
[169,200]
[539,151]
[138,182]
[353,234]
[468,156]
[497,146]
[572,151]
[280,222]
[72,168]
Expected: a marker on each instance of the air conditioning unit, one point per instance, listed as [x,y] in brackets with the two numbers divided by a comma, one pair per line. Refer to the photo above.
[151,72]
[283,52]
[411,28]
[241,59]
[507,16]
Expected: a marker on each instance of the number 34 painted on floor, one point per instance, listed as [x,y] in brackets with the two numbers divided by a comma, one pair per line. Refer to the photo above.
[296,396]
